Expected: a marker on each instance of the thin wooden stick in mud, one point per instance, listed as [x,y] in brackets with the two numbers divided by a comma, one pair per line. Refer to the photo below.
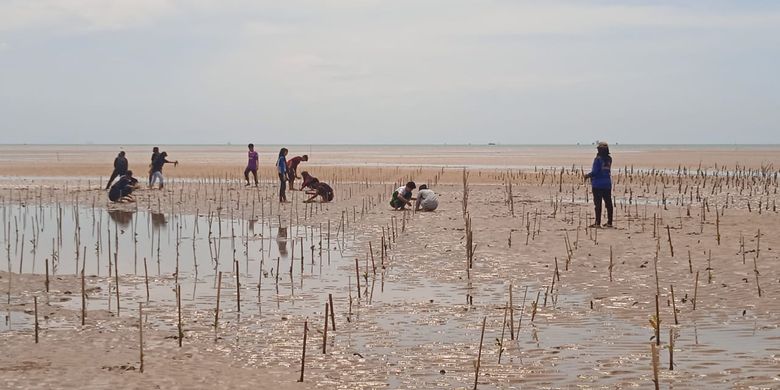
[690,263]
[535,306]
[610,263]
[238,287]
[671,349]
[141,337]
[325,331]
[332,315]
[219,290]
[522,310]
[511,315]
[669,235]
[654,352]
[695,290]
[674,305]
[371,251]
[303,355]
[146,279]
[503,330]
[178,303]
[83,299]
[479,355]
[35,304]
[46,283]
[357,277]
[116,274]
[755,271]
[657,322]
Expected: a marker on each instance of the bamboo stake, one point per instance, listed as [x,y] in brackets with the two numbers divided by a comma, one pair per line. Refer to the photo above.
[695,290]
[303,355]
[674,305]
[141,337]
[219,290]
[83,299]
[671,349]
[654,351]
[332,315]
[479,355]
[325,330]
[35,304]
[178,301]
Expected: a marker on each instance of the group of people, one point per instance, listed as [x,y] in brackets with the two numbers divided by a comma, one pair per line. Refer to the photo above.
[288,172]
[426,200]
[122,190]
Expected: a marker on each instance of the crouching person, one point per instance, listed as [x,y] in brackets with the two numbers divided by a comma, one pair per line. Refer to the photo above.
[122,190]
[403,196]
[427,200]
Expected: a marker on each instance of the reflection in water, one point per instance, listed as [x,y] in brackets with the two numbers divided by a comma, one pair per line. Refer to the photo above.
[121,217]
[281,240]
[158,220]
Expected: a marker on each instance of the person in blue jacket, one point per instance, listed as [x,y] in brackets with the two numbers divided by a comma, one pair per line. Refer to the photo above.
[601,182]
[281,167]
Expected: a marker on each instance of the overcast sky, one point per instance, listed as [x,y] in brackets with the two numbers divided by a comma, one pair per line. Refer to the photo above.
[397,71]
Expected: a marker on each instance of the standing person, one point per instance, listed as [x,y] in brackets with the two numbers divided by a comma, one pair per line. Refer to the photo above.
[120,168]
[320,189]
[403,196]
[155,154]
[292,168]
[251,165]
[157,167]
[601,182]
[120,192]
[281,167]
[427,200]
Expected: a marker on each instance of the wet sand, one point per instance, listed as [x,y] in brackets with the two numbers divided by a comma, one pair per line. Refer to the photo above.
[417,321]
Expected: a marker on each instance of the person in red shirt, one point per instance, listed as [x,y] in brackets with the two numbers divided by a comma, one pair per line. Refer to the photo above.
[292,168]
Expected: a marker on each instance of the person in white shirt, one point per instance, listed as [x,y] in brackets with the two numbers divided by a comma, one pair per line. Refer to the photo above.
[427,200]
[403,196]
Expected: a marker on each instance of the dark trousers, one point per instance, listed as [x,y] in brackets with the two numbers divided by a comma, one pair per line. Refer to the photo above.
[114,175]
[246,174]
[282,188]
[604,194]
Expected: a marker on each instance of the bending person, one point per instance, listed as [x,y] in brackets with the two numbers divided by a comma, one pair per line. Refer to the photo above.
[322,190]
[292,169]
[427,200]
[121,191]
[308,180]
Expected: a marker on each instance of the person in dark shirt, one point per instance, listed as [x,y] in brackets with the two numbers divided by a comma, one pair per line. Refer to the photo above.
[155,154]
[281,168]
[120,168]
[322,190]
[251,165]
[157,167]
[121,191]
[308,180]
[601,183]
[292,168]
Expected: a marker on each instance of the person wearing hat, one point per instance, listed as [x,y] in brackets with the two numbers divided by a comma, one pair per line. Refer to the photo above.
[403,196]
[601,183]
[427,200]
